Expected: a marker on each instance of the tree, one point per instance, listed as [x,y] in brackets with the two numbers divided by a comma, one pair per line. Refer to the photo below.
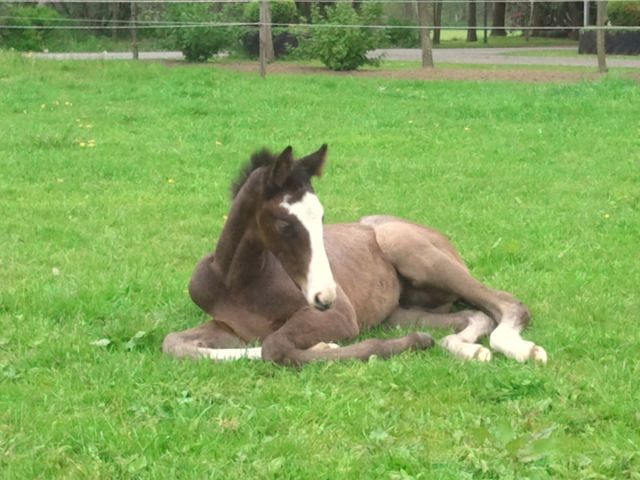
[499,14]
[437,22]
[425,40]
[472,35]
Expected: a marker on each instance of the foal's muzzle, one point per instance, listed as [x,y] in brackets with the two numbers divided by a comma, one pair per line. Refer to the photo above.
[323,300]
[319,304]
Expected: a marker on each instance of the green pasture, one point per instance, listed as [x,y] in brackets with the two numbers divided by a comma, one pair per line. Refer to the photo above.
[114,181]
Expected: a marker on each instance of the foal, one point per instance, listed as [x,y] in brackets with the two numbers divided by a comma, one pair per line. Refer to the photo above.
[281,278]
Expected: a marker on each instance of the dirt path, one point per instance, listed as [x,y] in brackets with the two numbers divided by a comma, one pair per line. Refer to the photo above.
[475,74]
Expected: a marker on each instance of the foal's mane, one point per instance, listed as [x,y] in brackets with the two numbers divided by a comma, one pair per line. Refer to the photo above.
[259,159]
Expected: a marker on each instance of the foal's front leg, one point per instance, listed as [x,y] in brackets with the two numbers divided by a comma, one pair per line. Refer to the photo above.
[293,343]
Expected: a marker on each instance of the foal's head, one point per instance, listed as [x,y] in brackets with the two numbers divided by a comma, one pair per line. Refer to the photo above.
[289,219]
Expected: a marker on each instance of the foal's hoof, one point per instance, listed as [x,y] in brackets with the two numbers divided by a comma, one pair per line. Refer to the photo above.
[482,355]
[421,341]
[324,346]
[538,354]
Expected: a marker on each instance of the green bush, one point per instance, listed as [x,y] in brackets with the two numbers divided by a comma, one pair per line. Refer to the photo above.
[402,37]
[343,48]
[30,39]
[197,44]
[624,14]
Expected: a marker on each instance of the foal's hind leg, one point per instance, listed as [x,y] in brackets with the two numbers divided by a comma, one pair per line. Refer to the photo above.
[470,326]
[411,251]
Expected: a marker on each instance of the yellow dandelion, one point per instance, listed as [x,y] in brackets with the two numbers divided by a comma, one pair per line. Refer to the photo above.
[82,144]
[171,181]
[68,104]
[56,103]
[466,129]
[44,105]
[606,215]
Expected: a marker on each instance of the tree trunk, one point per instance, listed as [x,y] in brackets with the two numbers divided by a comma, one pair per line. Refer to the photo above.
[425,41]
[134,30]
[472,35]
[600,41]
[115,15]
[528,31]
[499,13]
[437,22]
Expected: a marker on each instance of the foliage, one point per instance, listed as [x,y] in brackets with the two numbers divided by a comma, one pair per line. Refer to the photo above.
[282,11]
[30,39]
[625,14]
[84,395]
[402,37]
[198,44]
[343,48]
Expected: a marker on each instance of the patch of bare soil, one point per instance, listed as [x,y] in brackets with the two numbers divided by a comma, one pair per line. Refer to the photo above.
[476,74]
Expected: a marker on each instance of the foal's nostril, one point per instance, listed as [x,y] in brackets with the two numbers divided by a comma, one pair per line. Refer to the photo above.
[319,304]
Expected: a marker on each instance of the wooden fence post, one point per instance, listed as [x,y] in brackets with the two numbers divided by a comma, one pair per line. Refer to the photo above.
[600,40]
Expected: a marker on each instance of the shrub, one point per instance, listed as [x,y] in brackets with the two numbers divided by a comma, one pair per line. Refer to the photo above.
[197,44]
[343,48]
[30,39]
[403,37]
[624,14]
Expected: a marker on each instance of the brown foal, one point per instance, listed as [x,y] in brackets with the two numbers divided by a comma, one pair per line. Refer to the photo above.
[280,278]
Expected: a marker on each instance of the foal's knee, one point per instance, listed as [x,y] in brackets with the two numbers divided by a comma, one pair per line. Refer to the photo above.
[204,286]
[275,348]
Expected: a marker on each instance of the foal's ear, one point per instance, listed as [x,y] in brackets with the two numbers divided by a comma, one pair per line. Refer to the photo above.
[281,168]
[313,164]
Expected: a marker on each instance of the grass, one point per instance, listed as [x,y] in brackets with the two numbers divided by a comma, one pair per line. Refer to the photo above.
[538,186]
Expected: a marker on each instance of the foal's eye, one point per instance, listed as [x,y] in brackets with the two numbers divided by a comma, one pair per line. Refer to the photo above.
[285,228]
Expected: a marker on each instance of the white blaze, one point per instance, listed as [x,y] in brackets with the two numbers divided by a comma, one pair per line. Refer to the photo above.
[308,210]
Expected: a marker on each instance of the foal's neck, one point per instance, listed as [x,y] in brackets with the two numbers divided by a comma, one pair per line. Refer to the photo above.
[240,252]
